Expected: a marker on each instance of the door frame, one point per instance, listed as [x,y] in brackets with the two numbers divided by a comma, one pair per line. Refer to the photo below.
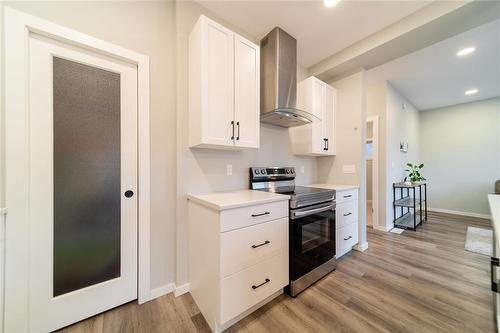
[375,174]
[18,28]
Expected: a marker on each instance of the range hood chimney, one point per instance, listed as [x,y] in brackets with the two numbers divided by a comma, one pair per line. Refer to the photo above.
[278,81]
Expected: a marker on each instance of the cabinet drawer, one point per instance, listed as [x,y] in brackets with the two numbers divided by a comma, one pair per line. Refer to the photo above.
[246,216]
[241,291]
[245,247]
[347,237]
[346,195]
[346,213]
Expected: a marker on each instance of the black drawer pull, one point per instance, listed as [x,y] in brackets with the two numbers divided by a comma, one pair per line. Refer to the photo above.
[348,238]
[348,196]
[260,285]
[494,263]
[262,244]
[347,214]
[261,214]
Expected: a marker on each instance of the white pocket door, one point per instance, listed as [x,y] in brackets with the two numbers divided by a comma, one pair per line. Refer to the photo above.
[82,184]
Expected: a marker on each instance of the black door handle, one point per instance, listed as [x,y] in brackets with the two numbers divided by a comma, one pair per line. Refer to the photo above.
[129,194]
[238,136]
[232,124]
[348,238]
[347,214]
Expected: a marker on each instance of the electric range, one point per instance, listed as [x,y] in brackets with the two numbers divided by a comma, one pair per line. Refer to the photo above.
[311,228]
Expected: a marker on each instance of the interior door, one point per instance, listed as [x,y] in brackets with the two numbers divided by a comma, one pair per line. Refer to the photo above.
[246,92]
[83,180]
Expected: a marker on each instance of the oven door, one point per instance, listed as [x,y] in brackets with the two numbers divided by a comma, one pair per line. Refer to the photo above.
[312,238]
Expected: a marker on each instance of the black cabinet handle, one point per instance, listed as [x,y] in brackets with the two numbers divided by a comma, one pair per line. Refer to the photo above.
[262,244]
[494,263]
[232,124]
[348,196]
[347,214]
[261,214]
[324,144]
[238,136]
[327,144]
[260,285]
[348,238]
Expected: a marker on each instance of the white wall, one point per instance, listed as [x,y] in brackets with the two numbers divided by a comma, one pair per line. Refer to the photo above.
[460,146]
[401,125]
[350,134]
[148,28]
[202,170]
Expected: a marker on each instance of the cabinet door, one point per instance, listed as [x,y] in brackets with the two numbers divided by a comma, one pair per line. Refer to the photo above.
[218,84]
[318,106]
[329,119]
[246,92]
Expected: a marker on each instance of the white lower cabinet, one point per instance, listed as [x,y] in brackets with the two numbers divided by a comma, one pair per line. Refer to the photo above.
[238,259]
[346,221]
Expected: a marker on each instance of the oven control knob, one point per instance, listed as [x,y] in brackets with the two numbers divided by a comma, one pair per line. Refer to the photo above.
[287,170]
[263,171]
[256,171]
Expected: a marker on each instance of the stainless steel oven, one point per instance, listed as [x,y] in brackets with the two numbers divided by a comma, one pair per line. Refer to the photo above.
[312,244]
[311,227]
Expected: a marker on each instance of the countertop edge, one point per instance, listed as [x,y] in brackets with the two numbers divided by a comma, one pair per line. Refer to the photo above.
[194,198]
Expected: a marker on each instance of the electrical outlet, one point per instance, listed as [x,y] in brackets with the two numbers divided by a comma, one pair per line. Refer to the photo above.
[229,169]
[302,169]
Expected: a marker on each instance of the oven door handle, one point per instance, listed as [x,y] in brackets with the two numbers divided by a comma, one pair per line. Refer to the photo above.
[296,215]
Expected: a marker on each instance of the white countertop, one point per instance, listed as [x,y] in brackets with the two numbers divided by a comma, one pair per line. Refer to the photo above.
[336,187]
[494,200]
[234,199]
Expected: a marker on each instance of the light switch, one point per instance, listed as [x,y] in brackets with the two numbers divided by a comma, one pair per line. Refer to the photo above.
[229,169]
[349,168]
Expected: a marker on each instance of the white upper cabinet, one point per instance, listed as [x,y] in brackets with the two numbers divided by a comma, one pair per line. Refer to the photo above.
[223,88]
[318,138]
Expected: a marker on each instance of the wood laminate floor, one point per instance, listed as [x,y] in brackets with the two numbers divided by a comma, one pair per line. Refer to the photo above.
[421,281]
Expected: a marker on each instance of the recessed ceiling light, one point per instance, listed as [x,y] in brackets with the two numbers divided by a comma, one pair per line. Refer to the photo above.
[331,3]
[471,91]
[467,50]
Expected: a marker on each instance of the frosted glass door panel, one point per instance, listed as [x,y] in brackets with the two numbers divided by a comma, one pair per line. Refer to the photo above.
[87,195]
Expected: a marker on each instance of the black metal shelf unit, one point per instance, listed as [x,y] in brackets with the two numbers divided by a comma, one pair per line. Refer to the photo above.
[412,211]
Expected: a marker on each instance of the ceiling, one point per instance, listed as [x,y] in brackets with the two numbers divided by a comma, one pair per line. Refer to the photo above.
[434,76]
[320,31]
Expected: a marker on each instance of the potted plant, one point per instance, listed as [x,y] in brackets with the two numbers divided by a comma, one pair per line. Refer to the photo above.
[414,173]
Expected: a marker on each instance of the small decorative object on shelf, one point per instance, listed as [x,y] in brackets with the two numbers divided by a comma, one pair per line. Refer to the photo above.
[414,173]
[412,211]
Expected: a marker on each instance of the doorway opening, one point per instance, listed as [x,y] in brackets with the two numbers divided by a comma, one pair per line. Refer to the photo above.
[371,160]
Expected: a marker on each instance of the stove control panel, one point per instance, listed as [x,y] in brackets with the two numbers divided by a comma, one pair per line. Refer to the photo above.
[272,173]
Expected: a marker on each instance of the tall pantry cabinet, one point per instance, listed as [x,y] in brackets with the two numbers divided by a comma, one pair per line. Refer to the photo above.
[224,88]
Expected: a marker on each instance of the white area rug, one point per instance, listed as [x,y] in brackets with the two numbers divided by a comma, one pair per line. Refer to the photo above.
[479,240]
[397,231]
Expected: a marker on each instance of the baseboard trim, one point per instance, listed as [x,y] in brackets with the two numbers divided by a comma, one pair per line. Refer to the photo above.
[456,212]
[169,288]
[360,247]
[181,290]
[384,228]
[163,290]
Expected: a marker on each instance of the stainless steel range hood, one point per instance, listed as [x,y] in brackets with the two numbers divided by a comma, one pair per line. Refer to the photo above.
[278,81]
